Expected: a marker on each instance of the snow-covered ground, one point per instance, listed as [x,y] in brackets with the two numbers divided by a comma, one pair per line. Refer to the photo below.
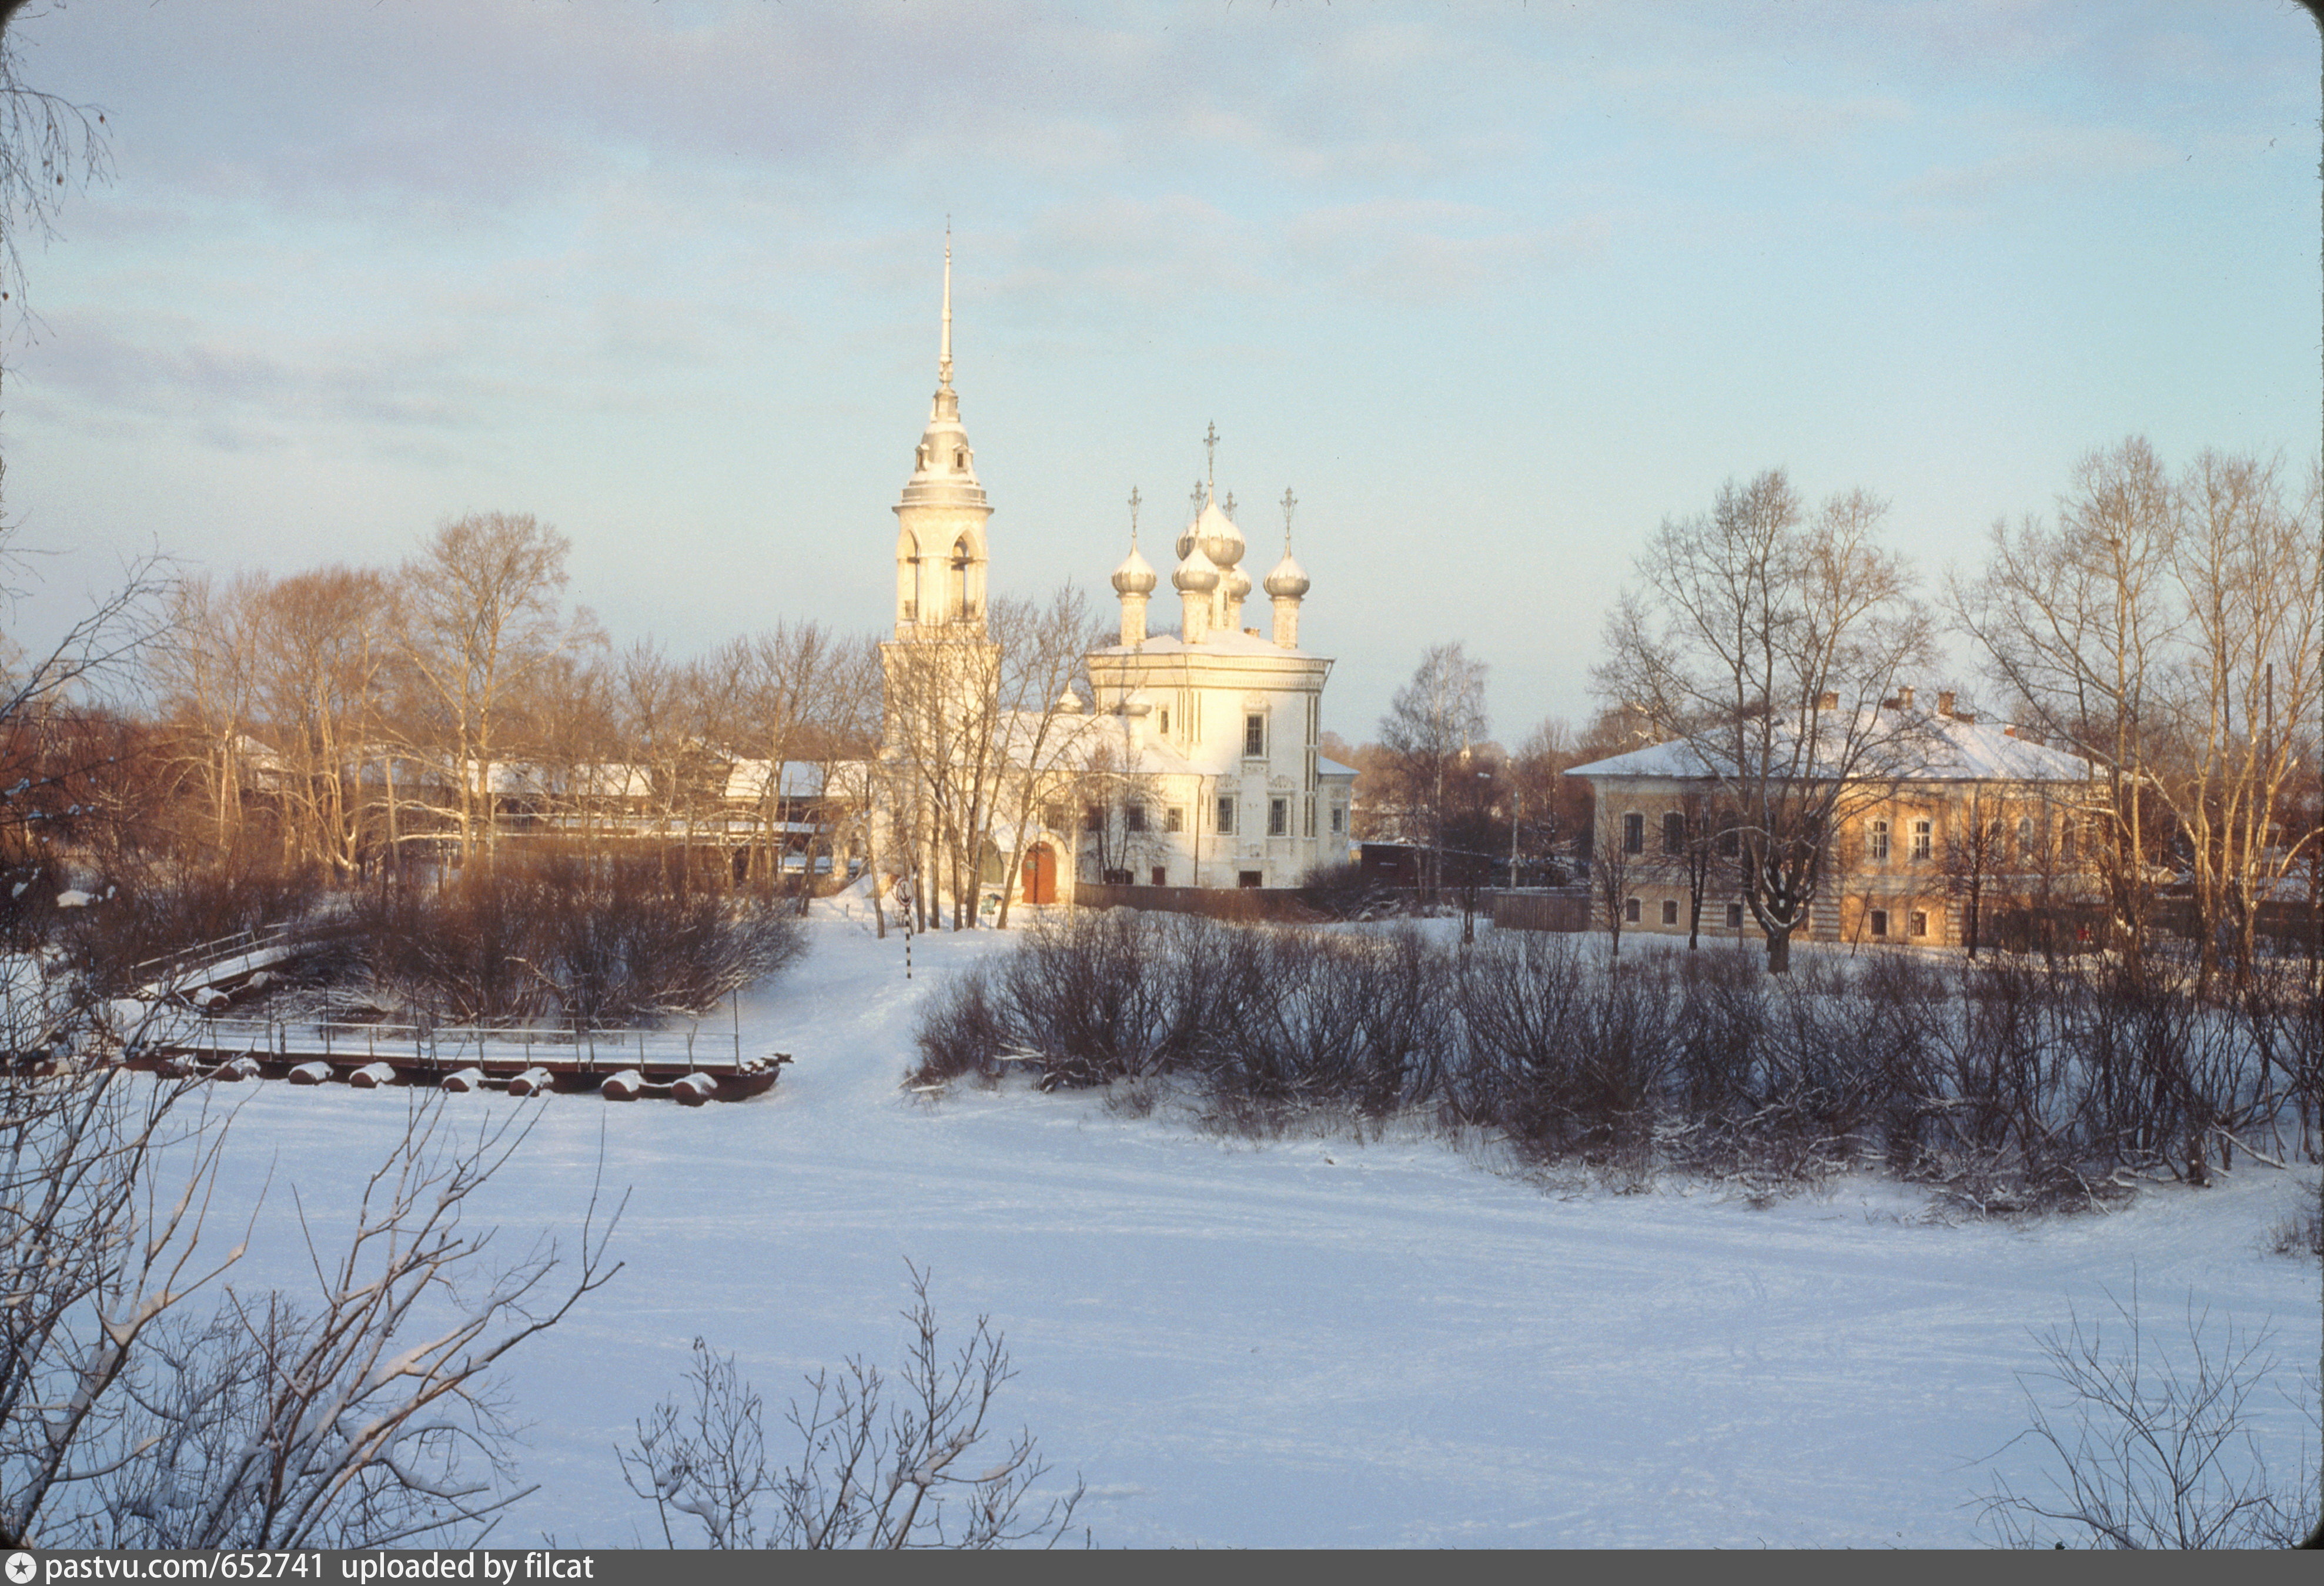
[1309,1341]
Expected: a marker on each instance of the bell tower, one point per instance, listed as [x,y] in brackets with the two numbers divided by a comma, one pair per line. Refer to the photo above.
[940,550]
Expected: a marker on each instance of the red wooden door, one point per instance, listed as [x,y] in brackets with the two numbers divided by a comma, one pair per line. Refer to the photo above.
[1040,875]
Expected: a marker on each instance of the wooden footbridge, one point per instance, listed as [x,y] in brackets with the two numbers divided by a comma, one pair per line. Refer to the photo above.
[620,1065]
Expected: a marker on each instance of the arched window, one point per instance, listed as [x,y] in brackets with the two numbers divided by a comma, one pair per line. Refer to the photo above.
[960,565]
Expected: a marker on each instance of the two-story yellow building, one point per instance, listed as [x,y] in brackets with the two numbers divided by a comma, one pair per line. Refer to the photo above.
[1979,820]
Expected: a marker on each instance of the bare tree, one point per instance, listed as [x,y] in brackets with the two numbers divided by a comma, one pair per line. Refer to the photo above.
[2077,623]
[1614,865]
[882,1460]
[49,146]
[1044,653]
[1431,728]
[1763,643]
[321,642]
[2247,568]
[486,620]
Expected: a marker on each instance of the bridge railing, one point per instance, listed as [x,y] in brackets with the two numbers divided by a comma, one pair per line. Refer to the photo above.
[170,965]
[451,1045]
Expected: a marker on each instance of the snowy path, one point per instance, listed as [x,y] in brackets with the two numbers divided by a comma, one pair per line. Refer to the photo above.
[1312,1341]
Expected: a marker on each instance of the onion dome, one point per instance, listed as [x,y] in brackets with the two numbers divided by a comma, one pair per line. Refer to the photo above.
[1197,575]
[1136,576]
[1235,584]
[1068,702]
[1288,581]
[1222,542]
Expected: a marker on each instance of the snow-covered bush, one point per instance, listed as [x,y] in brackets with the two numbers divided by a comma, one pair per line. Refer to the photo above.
[2012,1084]
[2150,1443]
[883,1460]
[603,939]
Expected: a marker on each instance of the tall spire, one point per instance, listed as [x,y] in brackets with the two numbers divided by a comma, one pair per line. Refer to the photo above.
[944,354]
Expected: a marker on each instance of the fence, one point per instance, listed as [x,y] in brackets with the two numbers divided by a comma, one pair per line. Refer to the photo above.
[1542,911]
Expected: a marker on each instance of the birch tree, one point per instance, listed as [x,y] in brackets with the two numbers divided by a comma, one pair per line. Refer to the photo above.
[486,620]
[1763,642]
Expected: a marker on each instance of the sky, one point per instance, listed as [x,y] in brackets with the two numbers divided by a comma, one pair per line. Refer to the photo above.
[1495,288]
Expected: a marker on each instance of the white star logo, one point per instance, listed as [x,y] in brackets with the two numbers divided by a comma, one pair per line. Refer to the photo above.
[21,1568]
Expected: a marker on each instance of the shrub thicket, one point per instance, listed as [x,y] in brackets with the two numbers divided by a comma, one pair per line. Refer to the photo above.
[600,939]
[2012,1084]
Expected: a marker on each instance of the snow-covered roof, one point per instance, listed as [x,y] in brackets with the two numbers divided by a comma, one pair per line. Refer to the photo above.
[746,780]
[1922,746]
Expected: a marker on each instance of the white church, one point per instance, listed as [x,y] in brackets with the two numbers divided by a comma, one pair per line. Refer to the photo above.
[1194,763]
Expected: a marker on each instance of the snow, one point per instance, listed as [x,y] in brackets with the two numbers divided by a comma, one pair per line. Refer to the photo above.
[1315,1341]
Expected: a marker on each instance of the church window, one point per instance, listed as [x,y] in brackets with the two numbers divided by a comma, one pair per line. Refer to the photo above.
[1339,820]
[1052,816]
[1875,846]
[1923,837]
[1673,833]
[1919,922]
[1133,817]
[1165,727]
[1093,817]
[1278,816]
[1254,734]
[960,457]
[1226,814]
[1173,819]
[1634,834]
[960,565]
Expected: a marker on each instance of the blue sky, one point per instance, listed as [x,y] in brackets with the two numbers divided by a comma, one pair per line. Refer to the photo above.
[1494,288]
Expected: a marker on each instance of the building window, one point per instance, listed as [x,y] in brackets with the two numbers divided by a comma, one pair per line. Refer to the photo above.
[1735,916]
[1052,816]
[1226,814]
[1673,833]
[1165,719]
[1133,817]
[1630,911]
[1879,922]
[1670,911]
[1278,816]
[1339,820]
[1875,840]
[1092,817]
[1919,922]
[2026,836]
[1731,843]
[1173,819]
[960,457]
[1249,878]
[1924,836]
[1254,735]
[1161,876]
[1634,834]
